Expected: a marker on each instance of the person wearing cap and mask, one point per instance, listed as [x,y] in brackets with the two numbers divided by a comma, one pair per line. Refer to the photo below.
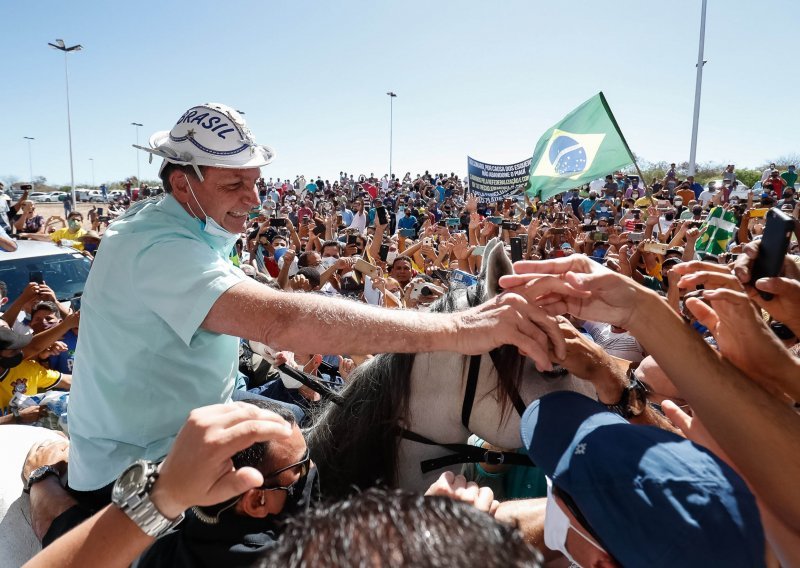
[172,345]
[621,494]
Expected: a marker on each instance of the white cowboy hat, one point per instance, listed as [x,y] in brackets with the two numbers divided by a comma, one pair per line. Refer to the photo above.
[211,134]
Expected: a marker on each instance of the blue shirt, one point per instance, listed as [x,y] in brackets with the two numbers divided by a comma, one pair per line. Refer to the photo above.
[347,217]
[143,362]
[64,361]
[407,222]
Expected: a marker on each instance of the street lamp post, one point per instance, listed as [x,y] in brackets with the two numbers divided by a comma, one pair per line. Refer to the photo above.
[59,45]
[30,160]
[698,86]
[92,160]
[137,125]
[392,96]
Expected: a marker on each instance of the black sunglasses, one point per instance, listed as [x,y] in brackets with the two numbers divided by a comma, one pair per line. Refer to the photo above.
[304,465]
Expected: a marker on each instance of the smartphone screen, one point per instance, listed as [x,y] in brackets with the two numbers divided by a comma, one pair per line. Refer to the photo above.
[516,249]
[382,217]
[277,222]
[772,247]
[36,276]
[383,252]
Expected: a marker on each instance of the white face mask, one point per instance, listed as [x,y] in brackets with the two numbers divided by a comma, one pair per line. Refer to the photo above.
[557,525]
[209,225]
[327,262]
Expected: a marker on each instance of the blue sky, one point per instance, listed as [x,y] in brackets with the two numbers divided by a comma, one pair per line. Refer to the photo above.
[473,78]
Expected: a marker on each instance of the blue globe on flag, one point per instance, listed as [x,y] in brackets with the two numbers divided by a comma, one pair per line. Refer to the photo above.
[567,156]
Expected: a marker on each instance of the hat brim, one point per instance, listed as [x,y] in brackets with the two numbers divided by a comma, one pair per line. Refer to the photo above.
[161,145]
[12,340]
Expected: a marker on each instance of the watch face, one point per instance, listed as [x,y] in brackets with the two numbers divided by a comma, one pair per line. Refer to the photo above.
[130,482]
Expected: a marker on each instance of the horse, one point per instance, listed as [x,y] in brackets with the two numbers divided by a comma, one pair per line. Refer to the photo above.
[363,439]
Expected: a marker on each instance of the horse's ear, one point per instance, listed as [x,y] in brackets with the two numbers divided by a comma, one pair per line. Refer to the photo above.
[496,264]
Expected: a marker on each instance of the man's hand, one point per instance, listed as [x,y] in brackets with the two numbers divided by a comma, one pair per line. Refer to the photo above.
[745,340]
[47,452]
[707,274]
[46,293]
[509,319]
[457,487]
[199,470]
[586,290]
[31,414]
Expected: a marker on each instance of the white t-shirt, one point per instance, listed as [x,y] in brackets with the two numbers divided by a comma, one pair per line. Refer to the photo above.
[622,345]
[706,197]
[359,222]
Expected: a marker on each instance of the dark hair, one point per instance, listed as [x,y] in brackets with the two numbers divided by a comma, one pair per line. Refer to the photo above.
[187,170]
[255,454]
[398,528]
[403,258]
[302,260]
[75,214]
[49,306]
[311,275]
[327,244]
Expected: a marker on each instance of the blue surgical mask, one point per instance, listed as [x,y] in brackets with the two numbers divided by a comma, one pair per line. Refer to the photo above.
[73,225]
[210,227]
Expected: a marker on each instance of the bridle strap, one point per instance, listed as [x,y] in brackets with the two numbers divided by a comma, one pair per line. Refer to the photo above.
[313,383]
[471,388]
[464,453]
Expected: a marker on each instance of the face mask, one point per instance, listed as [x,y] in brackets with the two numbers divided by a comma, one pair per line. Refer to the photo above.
[327,262]
[209,225]
[678,203]
[557,525]
[73,225]
[11,362]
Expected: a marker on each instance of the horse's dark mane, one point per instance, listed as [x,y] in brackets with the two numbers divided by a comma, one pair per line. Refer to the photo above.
[355,444]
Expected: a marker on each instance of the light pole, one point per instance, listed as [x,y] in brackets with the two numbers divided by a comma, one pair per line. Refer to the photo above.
[59,45]
[698,86]
[137,125]
[391,120]
[92,160]
[30,160]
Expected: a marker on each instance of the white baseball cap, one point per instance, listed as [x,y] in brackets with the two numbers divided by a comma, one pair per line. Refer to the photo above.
[210,134]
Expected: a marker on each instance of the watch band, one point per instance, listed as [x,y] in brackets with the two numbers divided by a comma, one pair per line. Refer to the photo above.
[142,511]
[40,474]
[623,406]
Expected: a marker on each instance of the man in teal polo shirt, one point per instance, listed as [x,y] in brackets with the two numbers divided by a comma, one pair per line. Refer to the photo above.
[164,307]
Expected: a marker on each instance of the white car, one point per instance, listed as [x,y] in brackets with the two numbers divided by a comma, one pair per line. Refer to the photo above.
[38,196]
[64,269]
[741,191]
[53,197]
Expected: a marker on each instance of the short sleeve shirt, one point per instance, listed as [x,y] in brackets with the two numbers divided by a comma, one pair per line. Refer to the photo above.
[142,361]
[28,378]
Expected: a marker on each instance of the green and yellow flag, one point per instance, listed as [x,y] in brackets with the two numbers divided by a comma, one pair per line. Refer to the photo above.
[585,145]
[717,232]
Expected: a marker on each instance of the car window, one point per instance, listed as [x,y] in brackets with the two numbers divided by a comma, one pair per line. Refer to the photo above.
[66,274]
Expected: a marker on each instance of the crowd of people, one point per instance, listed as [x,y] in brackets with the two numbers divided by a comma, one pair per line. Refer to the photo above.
[229,280]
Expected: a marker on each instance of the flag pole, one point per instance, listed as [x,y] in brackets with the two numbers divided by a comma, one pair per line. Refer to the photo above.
[621,137]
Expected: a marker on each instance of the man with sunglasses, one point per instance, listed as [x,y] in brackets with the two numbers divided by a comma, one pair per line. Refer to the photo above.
[233,532]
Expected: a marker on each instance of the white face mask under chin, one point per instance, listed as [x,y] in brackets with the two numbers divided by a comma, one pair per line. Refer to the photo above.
[210,226]
[557,525]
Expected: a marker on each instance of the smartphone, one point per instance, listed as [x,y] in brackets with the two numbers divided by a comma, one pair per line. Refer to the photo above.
[657,248]
[442,223]
[599,237]
[318,230]
[383,252]
[510,226]
[277,222]
[587,227]
[695,224]
[636,237]
[638,226]
[558,230]
[453,222]
[352,239]
[383,218]
[365,267]
[759,212]
[441,274]
[516,249]
[99,211]
[495,220]
[407,233]
[26,187]
[772,247]
[36,276]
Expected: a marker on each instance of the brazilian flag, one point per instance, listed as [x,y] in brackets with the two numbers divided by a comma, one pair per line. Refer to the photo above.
[585,145]
[717,231]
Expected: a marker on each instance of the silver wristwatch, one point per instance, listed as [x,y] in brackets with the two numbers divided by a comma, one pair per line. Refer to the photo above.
[131,494]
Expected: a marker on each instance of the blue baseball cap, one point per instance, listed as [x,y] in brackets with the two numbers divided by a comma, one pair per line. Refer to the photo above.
[652,497]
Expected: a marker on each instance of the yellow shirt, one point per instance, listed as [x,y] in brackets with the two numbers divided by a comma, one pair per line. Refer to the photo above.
[68,238]
[27,378]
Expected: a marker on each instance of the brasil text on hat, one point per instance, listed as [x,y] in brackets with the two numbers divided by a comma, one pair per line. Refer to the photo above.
[213,135]
[651,497]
